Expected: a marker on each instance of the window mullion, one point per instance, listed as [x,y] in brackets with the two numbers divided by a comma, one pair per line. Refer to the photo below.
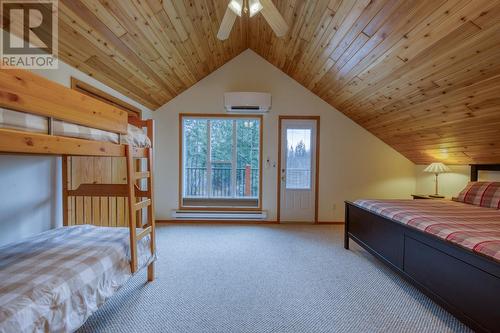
[234,161]
[209,161]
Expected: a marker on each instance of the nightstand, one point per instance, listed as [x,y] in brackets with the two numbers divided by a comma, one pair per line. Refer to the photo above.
[424,196]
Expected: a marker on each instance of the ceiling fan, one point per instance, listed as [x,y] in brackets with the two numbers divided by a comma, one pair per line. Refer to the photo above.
[251,8]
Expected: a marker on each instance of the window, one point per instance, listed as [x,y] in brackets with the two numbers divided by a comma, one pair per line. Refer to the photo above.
[298,159]
[221,161]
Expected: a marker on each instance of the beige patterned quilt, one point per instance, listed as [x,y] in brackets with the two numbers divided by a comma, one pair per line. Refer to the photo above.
[54,281]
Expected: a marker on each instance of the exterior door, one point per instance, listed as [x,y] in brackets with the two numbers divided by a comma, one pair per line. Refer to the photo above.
[297,188]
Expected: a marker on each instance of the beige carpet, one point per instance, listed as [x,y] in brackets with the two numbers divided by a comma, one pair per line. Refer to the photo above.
[275,278]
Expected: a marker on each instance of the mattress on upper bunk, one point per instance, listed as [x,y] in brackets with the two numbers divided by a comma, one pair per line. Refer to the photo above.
[54,281]
[472,227]
[33,123]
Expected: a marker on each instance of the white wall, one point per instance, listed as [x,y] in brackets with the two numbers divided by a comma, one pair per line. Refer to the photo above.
[353,163]
[450,184]
[30,197]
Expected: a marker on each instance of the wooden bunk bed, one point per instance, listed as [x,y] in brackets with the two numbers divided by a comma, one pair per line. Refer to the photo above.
[23,91]
[465,283]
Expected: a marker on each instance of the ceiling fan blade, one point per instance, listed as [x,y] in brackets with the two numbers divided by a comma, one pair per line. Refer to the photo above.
[226,24]
[274,18]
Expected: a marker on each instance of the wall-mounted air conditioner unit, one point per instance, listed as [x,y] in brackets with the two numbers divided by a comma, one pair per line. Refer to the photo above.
[247,102]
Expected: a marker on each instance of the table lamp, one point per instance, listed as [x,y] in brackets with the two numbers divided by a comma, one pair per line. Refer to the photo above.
[437,168]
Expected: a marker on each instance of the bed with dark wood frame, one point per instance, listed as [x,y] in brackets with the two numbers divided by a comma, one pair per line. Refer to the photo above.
[464,283]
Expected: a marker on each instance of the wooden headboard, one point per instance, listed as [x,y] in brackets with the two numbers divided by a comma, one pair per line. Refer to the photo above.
[475,168]
[24,91]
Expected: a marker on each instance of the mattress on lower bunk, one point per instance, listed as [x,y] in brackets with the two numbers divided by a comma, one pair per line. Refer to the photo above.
[472,227]
[33,123]
[54,281]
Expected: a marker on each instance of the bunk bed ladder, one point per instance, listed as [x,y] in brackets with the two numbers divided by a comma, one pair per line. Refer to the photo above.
[135,207]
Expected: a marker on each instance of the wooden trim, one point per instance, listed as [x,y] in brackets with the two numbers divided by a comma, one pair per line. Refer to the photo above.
[316,186]
[92,91]
[181,148]
[181,157]
[278,185]
[261,148]
[316,180]
[106,190]
[24,91]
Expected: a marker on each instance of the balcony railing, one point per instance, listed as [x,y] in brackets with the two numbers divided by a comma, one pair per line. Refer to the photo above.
[196,182]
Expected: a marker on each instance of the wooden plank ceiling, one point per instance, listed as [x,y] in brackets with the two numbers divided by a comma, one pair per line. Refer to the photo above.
[422,75]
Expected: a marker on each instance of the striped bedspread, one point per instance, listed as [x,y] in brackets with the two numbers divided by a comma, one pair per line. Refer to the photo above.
[37,124]
[54,281]
[472,227]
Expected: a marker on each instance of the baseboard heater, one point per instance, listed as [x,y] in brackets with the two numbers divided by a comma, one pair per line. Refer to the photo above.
[215,215]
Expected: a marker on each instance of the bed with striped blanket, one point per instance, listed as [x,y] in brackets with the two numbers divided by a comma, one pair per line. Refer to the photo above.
[472,227]
[27,122]
[54,281]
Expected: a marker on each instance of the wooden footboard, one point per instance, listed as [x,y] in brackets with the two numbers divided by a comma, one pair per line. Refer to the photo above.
[465,284]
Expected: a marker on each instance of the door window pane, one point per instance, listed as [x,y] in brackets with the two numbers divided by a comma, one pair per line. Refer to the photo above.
[298,159]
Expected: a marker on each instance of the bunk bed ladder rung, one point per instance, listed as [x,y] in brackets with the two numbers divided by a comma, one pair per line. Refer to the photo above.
[142,204]
[146,231]
[139,152]
[142,175]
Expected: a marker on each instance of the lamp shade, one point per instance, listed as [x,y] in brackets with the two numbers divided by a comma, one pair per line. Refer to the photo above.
[437,168]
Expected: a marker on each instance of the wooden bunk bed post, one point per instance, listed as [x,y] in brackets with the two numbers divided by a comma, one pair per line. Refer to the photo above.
[135,208]
[65,190]
[132,213]
[151,223]
[151,212]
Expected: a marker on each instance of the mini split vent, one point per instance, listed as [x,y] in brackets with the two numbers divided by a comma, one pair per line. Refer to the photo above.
[247,102]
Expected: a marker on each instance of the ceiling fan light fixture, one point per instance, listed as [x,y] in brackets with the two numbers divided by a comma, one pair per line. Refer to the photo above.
[236,6]
[255,7]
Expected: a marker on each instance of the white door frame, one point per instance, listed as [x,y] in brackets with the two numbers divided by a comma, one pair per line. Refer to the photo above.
[316,180]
